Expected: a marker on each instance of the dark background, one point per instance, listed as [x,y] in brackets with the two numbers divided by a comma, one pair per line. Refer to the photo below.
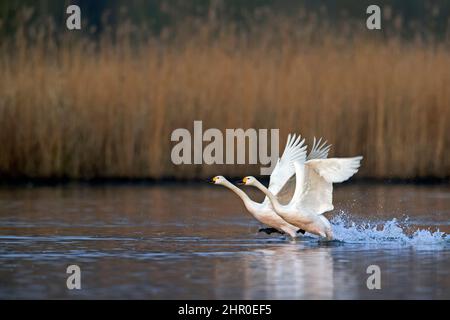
[425,15]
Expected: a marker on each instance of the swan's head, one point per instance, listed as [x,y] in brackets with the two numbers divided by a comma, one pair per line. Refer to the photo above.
[218,180]
[249,181]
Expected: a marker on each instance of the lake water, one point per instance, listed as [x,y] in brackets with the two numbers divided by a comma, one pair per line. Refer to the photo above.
[196,241]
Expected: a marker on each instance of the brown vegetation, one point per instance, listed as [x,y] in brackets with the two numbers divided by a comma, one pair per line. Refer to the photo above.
[81,108]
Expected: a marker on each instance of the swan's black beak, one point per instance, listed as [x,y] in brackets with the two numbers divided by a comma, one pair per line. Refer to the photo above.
[239,182]
[211,180]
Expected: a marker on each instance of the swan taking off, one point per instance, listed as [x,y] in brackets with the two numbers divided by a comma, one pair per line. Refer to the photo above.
[313,193]
[283,171]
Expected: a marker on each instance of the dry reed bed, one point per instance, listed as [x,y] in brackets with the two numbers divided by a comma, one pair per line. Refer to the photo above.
[82,110]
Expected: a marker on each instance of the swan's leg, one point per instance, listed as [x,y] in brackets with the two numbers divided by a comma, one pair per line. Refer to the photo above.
[291,231]
[329,234]
[328,229]
[270,230]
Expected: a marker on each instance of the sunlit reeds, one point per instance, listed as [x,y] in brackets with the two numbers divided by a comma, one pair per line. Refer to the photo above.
[72,106]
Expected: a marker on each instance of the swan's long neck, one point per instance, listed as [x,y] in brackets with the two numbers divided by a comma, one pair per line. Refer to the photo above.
[276,205]
[249,203]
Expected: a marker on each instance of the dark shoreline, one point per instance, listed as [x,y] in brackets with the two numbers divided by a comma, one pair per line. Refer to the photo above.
[57,182]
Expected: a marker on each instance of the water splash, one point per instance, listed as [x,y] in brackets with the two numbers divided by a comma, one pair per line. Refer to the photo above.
[384,232]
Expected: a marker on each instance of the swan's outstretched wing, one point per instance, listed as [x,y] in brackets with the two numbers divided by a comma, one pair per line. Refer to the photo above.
[287,191]
[319,150]
[317,193]
[336,169]
[295,151]
[319,176]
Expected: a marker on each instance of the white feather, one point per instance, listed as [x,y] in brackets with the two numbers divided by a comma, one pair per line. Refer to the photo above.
[318,151]
[318,177]
[295,151]
[335,169]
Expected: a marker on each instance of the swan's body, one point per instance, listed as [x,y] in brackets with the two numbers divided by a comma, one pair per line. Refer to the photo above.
[263,212]
[313,193]
[283,171]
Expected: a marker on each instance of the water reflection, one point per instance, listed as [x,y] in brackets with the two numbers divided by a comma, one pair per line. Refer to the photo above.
[289,272]
[190,241]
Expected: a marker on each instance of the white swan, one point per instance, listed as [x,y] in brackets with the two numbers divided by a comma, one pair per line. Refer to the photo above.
[282,172]
[313,193]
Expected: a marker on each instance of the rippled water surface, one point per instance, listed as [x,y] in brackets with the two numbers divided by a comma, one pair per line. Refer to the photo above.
[195,241]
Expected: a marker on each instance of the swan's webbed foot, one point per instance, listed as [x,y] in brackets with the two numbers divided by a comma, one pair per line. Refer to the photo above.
[301,231]
[270,230]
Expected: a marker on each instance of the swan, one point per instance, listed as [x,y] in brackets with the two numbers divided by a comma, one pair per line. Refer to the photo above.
[313,193]
[283,171]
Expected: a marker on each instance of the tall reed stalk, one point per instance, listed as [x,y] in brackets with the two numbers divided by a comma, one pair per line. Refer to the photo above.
[77,107]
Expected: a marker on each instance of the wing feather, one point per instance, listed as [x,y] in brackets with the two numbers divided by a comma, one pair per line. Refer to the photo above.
[336,169]
[319,150]
[295,150]
[320,174]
